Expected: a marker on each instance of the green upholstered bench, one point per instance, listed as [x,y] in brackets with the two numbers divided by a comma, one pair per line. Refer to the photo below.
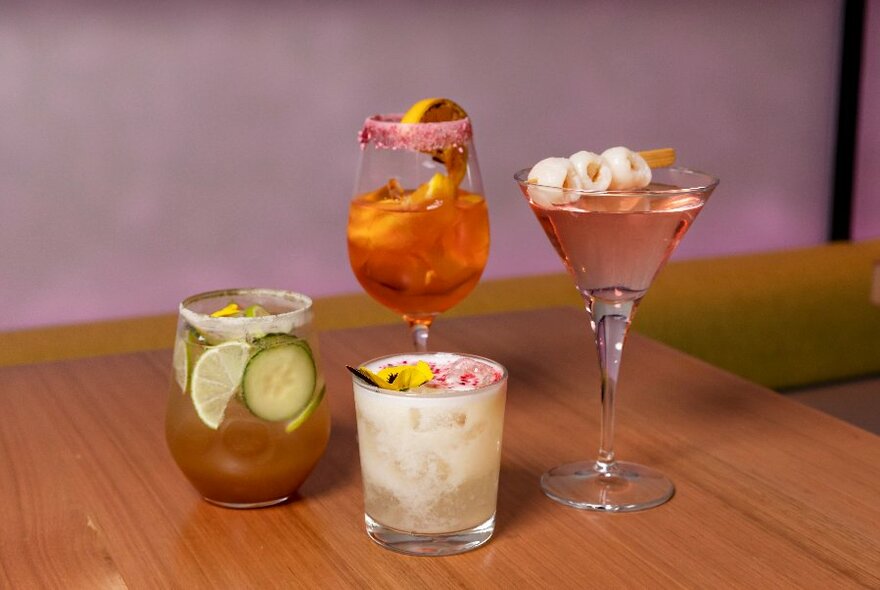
[783,319]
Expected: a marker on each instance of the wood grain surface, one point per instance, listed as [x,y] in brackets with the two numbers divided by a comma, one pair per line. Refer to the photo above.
[770,493]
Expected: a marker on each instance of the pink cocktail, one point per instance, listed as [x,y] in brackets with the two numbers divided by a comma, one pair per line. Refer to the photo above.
[613,243]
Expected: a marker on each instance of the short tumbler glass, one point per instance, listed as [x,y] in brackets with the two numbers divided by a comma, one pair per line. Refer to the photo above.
[430,457]
[247,419]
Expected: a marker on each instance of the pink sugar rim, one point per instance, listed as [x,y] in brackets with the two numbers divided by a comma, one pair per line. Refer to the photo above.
[387,132]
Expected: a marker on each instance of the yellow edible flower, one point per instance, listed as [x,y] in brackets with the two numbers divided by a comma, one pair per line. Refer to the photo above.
[229,310]
[402,377]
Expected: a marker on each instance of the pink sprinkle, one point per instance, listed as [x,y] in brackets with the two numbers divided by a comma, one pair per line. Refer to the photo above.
[387,132]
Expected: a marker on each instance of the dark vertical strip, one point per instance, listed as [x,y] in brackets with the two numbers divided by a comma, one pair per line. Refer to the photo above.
[847,118]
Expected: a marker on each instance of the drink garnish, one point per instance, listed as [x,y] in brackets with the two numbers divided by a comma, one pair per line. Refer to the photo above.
[435,126]
[180,362]
[434,110]
[229,310]
[659,158]
[235,310]
[396,377]
[278,382]
[437,190]
[591,171]
[255,311]
[629,169]
[362,376]
[442,110]
[385,132]
[616,169]
[215,378]
[307,413]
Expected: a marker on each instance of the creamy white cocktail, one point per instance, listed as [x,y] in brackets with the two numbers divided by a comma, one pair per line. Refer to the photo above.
[430,453]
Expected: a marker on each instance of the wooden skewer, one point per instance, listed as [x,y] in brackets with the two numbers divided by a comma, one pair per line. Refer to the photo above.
[659,158]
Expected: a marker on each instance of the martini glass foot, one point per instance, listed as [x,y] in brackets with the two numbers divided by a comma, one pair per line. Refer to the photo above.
[607,487]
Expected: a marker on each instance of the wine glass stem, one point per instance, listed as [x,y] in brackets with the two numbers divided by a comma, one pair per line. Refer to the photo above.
[611,326]
[419,336]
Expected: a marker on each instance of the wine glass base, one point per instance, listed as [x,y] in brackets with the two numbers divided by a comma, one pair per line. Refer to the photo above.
[617,487]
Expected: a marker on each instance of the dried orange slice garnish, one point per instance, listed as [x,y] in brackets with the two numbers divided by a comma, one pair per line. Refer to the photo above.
[439,110]
[434,110]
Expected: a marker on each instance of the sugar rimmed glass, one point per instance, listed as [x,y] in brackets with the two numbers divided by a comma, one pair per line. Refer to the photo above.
[237,452]
[418,226]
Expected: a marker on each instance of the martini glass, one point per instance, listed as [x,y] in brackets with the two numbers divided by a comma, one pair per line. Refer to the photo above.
[613,244]
[418,226]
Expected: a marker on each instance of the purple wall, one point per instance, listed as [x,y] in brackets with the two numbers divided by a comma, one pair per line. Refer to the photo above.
[866,208]
[149,151]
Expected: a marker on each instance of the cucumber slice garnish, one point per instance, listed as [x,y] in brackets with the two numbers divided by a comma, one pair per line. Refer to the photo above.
[279,380]
[271,340]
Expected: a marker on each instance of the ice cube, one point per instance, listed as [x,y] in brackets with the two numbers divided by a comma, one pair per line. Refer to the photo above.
[469,374]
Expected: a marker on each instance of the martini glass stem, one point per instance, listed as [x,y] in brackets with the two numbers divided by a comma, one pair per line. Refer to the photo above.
[610,323]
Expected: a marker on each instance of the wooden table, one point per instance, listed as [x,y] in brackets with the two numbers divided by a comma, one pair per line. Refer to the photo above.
[770,494]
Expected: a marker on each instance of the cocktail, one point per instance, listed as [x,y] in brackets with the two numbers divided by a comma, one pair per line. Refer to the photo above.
[429,432]
[418,226]
[247,419]
[614,219]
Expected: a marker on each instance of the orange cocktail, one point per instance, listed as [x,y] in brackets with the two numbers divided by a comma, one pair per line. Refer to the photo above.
[418,226]
[415,259]
[247,417]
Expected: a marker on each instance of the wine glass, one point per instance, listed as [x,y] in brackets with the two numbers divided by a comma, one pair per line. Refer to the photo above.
[614,243]
[418,226]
